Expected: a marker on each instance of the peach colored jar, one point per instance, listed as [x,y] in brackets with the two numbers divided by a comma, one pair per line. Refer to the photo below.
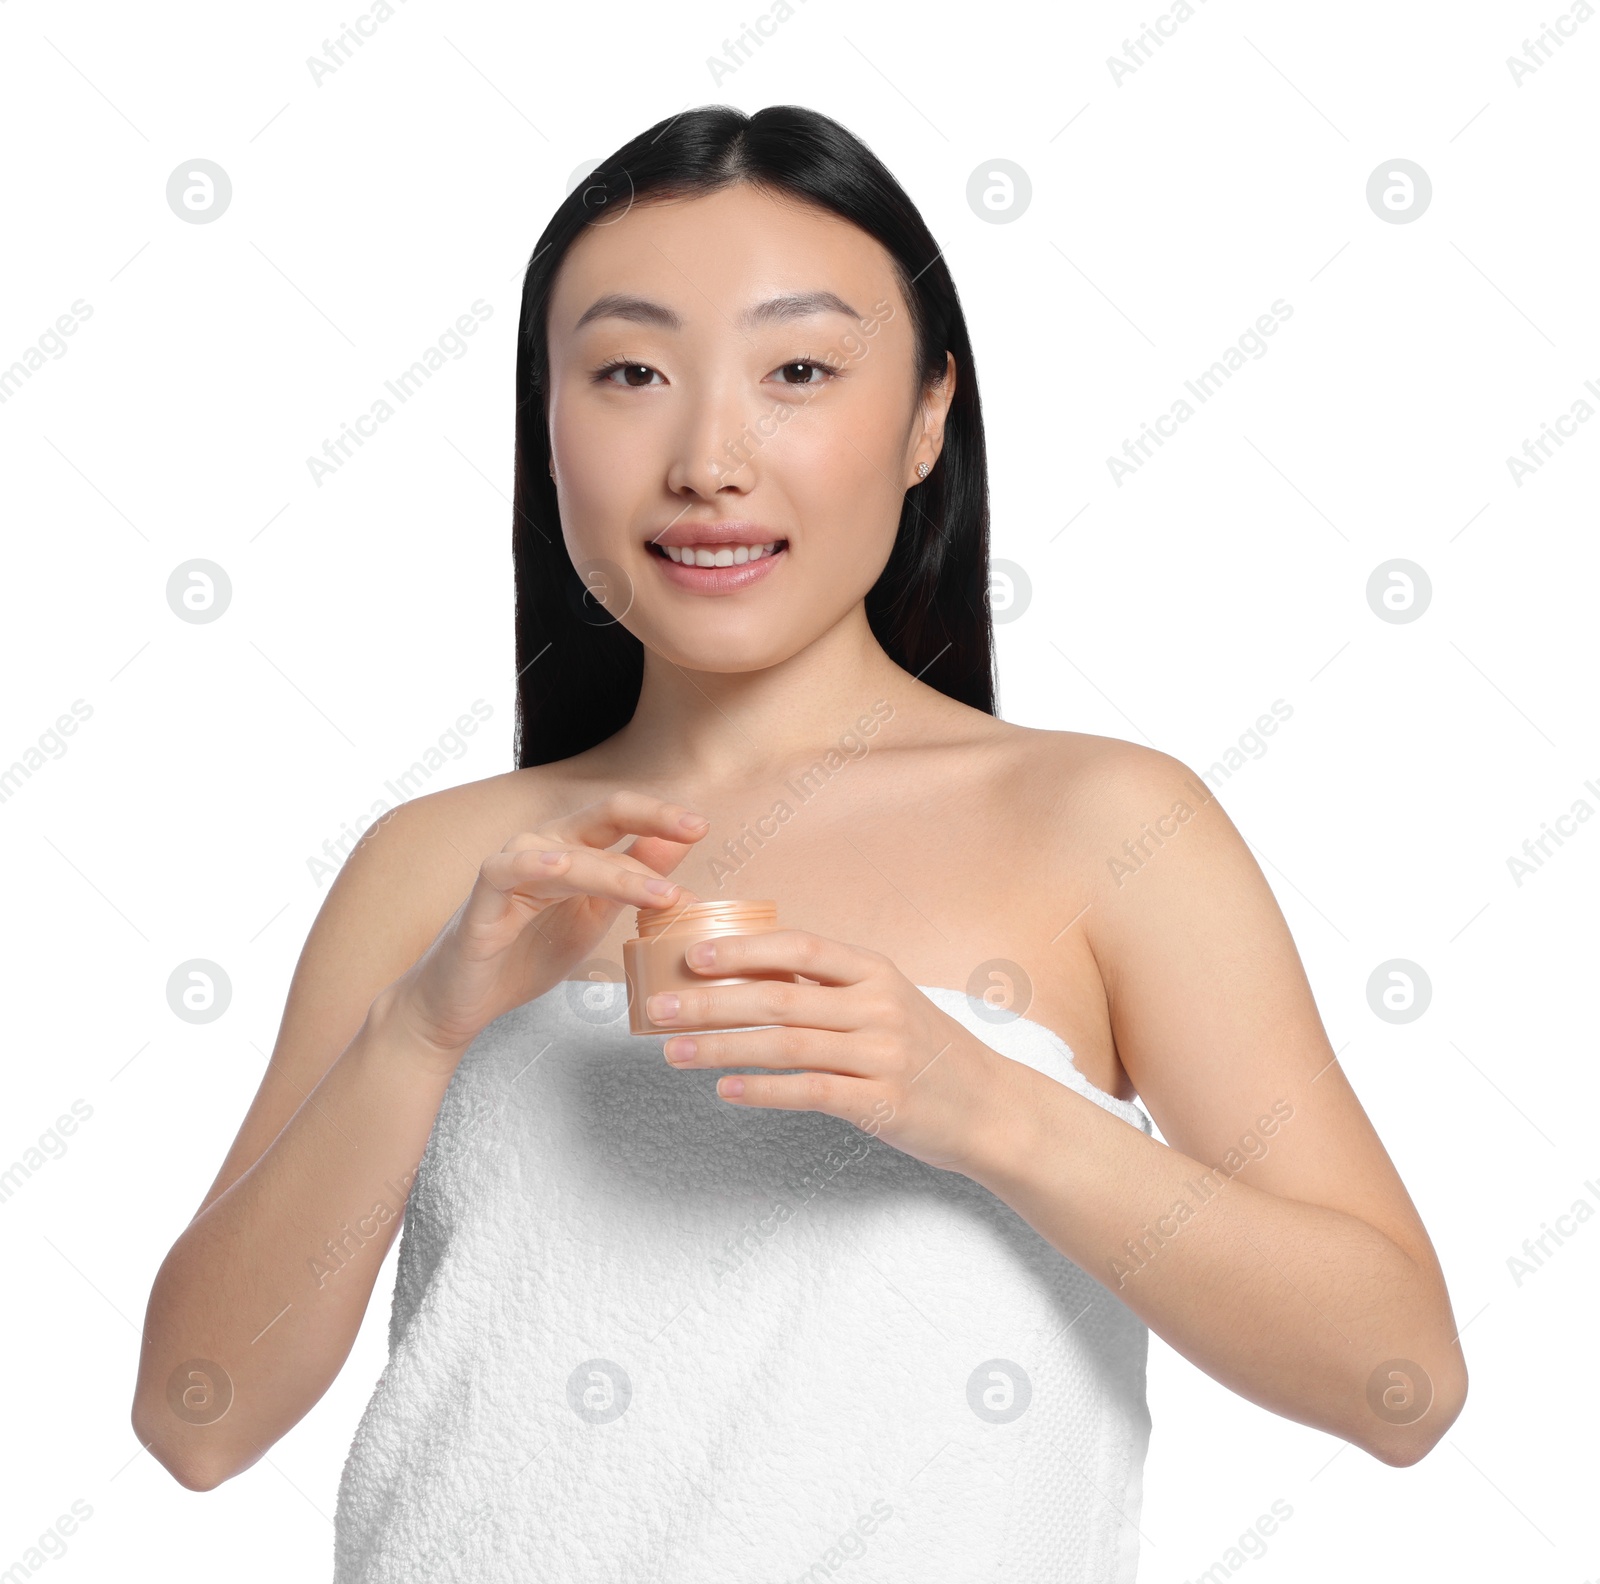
[653,960]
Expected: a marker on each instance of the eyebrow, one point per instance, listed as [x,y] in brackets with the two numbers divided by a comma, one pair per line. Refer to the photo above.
[775,310]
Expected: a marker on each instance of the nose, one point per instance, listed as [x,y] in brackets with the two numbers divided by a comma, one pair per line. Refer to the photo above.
[717,443]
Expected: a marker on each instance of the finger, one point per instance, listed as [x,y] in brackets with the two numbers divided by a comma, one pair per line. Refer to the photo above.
[657,853]
[623,813]
[761,1002]
[530,873]
[853,1100]
[796,951]
[780,1049]
[551,841]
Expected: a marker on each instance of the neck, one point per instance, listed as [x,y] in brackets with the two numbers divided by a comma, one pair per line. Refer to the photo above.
[728,727]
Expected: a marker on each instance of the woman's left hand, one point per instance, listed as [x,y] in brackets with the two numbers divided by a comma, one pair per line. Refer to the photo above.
[879,1053]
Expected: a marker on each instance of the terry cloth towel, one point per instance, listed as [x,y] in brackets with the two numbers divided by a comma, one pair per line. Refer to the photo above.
[641,1333]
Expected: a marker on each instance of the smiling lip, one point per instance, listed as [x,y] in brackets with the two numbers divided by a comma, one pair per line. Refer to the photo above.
[717,533]
[716,580]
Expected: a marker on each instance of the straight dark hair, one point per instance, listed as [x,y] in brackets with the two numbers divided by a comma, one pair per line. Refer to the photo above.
[578,669]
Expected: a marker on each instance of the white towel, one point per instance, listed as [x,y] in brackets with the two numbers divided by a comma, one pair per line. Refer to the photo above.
[640,1333]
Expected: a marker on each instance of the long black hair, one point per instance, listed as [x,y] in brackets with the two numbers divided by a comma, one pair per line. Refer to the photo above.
[578,670]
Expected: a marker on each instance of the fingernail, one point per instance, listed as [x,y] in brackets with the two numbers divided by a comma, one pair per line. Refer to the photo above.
[662,1008]
[661,886]
[551,857]
[702,954]
[680,1050]
[693,819]
[731,1088]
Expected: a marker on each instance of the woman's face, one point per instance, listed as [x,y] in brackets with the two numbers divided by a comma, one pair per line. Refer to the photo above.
[728,373]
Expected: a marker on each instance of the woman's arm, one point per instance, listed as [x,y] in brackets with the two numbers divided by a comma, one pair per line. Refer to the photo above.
[252,1301]
[256,1306]
[1270,1241]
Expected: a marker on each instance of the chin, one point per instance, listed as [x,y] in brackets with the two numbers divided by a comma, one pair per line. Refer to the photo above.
[721,646]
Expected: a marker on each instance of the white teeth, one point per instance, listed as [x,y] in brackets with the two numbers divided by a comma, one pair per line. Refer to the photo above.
[723,555]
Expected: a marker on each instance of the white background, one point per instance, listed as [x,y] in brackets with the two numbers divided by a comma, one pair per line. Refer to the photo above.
[1166,214]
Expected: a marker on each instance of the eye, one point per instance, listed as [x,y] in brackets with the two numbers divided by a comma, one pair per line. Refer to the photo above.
[628,368]
[812,365]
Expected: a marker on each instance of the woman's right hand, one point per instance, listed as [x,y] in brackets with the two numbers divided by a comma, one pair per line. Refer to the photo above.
[528,920]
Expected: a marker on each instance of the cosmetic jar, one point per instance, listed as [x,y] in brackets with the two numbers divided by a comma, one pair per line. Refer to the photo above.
[653,960]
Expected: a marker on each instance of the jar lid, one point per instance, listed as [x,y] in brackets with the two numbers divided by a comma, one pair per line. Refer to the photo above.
[724,916]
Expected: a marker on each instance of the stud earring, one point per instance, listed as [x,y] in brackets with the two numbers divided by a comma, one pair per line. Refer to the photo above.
[922,470]
[552,467]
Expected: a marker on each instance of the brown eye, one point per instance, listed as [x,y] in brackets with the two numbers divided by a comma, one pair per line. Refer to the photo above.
[628,371]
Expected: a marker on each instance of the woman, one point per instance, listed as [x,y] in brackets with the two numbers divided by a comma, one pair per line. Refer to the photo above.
[871,1276]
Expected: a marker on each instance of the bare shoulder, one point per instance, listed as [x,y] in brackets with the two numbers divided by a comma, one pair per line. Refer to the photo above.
[415,865]
[1084,764]
[1150,851]
[1096,787]
[1124,829]
[1212,1013]
[395,890]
